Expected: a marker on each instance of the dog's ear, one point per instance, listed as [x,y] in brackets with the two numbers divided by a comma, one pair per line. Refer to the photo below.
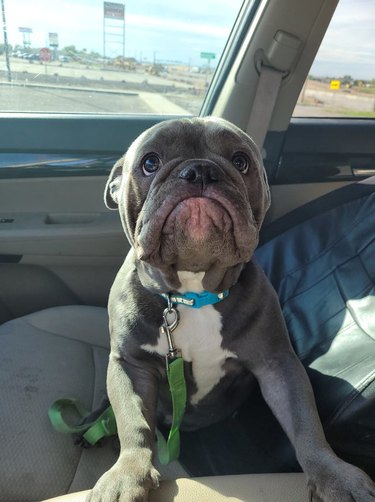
[112,187]
[261,196]
[266,193]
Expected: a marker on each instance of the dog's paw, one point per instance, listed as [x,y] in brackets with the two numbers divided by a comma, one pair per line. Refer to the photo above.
[341,483]
[124,483]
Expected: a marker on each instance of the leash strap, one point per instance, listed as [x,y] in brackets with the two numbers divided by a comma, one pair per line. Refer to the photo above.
[103,426]
[169,450]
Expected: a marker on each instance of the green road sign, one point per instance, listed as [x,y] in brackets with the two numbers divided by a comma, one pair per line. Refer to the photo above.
[208,55]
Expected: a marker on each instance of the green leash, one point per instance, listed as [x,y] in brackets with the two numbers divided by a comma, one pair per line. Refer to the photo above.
[105,424]
[170,450]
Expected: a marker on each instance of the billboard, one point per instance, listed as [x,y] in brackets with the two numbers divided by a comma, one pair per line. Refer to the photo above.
[53,39]
[25,30]
[114,10]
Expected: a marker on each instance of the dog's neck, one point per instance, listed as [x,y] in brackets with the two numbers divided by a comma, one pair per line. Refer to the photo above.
[190,281]
[215,280]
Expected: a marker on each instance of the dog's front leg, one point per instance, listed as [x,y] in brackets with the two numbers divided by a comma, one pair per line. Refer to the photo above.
[132,390]
[287,390]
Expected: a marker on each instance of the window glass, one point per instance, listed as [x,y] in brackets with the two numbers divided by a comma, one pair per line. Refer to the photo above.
[92,56]
[341,82]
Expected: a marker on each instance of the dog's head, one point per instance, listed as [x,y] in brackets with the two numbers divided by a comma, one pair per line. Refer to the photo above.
[192,195]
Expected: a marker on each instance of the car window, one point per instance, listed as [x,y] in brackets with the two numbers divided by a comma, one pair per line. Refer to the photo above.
[341,82]
[108,57]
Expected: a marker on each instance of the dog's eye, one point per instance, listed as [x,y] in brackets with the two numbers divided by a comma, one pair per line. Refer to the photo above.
[241,162]
[151,164]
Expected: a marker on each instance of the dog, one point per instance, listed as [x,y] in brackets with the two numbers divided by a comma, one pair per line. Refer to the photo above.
[192,195]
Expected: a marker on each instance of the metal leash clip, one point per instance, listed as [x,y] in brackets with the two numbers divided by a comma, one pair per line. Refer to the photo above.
[170,323]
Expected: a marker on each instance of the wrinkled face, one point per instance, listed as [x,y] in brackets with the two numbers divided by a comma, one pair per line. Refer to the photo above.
[192,194]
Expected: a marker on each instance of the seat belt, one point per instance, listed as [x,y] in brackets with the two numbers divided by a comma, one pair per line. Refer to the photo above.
[269,83]
[274,63]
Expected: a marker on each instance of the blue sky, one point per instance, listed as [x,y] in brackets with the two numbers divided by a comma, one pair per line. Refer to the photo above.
[180,31]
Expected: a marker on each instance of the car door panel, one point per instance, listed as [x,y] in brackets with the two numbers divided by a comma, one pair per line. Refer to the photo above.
[316,156]
[73,237]
[55,232]
[68,133]
[320,150]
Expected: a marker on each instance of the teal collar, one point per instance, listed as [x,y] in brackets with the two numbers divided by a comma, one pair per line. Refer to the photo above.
[197,300]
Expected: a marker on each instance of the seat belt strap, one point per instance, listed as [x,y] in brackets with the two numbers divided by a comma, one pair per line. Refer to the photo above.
[269,83]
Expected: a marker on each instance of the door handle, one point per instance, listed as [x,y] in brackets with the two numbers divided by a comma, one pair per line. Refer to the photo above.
[361,172]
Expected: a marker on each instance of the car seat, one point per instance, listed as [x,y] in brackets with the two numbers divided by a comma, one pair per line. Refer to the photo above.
[320,259]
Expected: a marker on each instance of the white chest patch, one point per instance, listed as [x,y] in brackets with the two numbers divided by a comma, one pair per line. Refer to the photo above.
[198,337]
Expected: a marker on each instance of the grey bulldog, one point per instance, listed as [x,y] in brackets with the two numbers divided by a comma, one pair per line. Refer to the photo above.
[192,195]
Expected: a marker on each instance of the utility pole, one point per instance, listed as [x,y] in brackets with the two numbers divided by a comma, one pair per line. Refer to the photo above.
[6,41]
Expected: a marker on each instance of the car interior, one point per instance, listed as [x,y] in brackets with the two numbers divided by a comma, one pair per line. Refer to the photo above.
[60,247]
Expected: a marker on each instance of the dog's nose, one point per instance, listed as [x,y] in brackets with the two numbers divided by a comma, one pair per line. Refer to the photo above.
[200,173]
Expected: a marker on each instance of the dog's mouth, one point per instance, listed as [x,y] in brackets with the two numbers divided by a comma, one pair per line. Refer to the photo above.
[197,218]
[196,231]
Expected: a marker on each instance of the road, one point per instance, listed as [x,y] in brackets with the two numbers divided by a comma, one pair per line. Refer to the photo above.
[40,98]
[81,73]
[48,99]
[73,87]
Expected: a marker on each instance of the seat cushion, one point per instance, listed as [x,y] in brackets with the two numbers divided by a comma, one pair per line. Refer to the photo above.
[58,352]
[324,273]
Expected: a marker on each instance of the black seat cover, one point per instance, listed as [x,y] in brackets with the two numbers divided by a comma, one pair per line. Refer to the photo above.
[324,273]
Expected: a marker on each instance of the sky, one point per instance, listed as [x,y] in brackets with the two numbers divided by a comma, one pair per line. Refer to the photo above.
[160,29]
[166,30]
[349,44]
